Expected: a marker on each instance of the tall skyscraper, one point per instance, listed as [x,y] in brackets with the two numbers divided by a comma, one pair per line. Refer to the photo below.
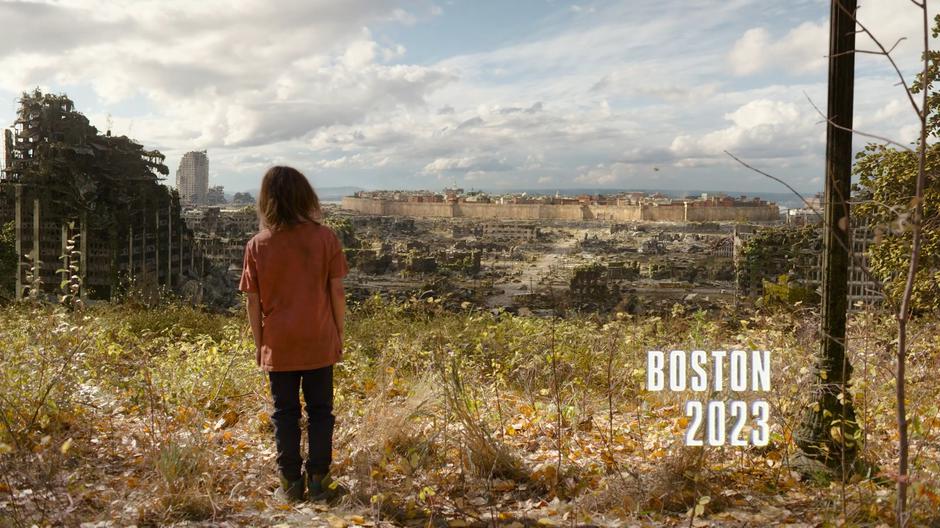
[192,178]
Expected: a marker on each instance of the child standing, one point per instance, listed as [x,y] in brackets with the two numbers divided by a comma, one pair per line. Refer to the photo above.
[293,274]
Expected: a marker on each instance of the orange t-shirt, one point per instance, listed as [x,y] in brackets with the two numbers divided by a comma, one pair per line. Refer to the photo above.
[290,270]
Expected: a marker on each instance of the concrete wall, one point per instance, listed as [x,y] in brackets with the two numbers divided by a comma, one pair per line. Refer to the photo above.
[619,213]
[664,213]
[496,211]
[626,213]
[758,213]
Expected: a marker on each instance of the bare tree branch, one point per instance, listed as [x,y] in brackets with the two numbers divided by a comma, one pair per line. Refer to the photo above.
[904,311]
[776,179]
[855,131]
[871,52]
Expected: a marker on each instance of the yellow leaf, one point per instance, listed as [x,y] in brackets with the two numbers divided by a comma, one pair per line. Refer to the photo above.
[227,420]
[545,521]
[836,432]
[64,448]
[336,522]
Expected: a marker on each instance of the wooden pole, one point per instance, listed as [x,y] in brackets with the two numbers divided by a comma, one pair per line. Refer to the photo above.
[18,221]
[832,401]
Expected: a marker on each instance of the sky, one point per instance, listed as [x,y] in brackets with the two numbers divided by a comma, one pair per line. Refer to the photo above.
[528,94]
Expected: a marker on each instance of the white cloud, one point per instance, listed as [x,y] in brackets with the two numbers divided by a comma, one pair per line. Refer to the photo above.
[258,73]
[477,164]
[801,50]
[761,128]
[603,174]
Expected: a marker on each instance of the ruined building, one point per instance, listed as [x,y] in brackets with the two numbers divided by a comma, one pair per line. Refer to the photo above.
[216,195]
[63,180]
[192,178]
[764,254]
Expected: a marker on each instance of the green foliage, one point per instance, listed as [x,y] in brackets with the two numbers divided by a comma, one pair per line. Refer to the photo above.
[344,230]
[776,251]
[933,72]
[7,260]
[887,181]
[589,268]
[787,293]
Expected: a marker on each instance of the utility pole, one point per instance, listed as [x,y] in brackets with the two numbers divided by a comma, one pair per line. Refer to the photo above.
[829,425]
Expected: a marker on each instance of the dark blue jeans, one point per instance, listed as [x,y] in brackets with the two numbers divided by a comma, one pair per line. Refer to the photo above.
[317,386]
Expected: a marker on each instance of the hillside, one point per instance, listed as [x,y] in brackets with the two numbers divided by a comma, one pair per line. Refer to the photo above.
[154,415]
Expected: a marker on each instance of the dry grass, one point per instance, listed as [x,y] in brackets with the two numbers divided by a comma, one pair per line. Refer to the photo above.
[391,425]
[440,417]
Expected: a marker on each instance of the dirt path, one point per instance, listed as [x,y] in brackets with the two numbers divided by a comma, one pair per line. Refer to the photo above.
[533,272]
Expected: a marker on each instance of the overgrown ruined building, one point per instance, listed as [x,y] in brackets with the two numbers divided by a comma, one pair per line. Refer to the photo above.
[192,178]
[64,181]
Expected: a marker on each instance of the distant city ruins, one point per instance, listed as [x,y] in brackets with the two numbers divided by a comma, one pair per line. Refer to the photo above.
[622,207]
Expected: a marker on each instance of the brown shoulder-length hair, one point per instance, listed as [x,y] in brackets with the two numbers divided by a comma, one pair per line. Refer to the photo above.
[286,198]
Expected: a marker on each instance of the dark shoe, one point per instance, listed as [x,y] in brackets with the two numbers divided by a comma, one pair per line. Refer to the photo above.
[290,491]
[322,487]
